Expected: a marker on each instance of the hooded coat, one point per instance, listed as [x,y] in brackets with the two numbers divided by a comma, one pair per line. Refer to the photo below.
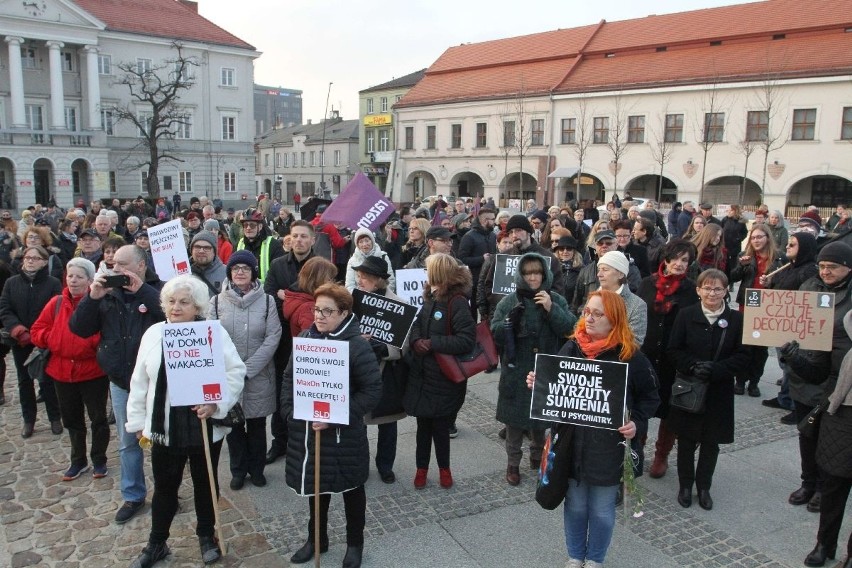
[801,269]
[357,259]
[537,331]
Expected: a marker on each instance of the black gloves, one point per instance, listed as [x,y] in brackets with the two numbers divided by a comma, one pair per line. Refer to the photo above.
[703,370]
[789,350]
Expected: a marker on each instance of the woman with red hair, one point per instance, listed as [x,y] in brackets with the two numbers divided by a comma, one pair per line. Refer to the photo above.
[597,455]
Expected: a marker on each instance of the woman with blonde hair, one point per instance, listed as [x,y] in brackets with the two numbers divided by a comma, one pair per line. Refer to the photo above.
[417,230]
[711,252]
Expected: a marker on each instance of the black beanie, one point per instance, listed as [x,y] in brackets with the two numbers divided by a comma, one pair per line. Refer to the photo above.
[839,253]
[242,257]
[519,222]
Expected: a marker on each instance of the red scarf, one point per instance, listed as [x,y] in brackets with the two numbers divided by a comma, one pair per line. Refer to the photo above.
[591,348]
[667,285]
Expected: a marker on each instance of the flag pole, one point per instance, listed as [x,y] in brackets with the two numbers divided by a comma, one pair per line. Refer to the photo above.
[317,498]
[210,478]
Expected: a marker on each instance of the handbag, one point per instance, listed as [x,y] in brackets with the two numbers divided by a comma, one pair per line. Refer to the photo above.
[6,338]
[689,393]
[235,417]
[458,368]
[809,426]
[38,358]
[394,381]
[553,472]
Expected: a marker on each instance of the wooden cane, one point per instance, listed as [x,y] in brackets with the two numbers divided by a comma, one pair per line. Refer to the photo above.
[774,272]
[317,498]
[213,495]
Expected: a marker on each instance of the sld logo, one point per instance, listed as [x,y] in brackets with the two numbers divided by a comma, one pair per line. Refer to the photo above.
[212,392]
[322,410]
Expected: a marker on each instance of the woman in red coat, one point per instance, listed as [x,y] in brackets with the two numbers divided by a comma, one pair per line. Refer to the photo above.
[80,383]
[298,307]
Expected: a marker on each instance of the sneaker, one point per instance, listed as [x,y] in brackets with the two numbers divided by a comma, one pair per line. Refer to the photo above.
[99,471]
[446,477]
[789,419]
[74,472]
[454,432]
[151,554]
[127,511]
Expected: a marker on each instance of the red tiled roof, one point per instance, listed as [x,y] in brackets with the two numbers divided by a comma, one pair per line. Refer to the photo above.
[160,18]
[814,44]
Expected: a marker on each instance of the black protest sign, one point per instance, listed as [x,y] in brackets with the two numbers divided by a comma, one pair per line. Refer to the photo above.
[386,320]
[585,392]
[505,267]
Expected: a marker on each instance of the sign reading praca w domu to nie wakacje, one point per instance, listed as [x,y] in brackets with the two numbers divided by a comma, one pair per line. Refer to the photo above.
[195,363]
[321,380]
[586,392]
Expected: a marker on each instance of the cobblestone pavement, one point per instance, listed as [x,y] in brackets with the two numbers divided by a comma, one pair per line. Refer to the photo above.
[50,523]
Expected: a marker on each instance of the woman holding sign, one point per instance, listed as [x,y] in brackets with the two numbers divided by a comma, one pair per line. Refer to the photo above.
[175,431]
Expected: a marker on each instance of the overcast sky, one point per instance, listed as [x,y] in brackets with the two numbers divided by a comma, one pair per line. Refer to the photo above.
[306,44]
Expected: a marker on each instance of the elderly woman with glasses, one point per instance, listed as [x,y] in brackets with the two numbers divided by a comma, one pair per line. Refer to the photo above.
[344,450]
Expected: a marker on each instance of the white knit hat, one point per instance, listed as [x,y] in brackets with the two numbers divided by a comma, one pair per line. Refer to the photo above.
[616,260]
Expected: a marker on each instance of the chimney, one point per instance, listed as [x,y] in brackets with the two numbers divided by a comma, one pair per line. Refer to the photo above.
[190,4]
[309,122]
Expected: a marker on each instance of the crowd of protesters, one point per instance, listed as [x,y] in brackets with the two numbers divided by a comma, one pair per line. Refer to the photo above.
[620,282]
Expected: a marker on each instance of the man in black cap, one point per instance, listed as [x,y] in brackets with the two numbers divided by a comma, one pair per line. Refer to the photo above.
[438,239]
[90,246]
[707,213]
[521,230]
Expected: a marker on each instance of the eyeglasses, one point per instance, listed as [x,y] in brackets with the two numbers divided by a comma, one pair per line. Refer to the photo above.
[627,236]
[202,248]
[829,267]
[240,268]
[249,225]
[34,258]
[717,291]
[587,313]
[325,312]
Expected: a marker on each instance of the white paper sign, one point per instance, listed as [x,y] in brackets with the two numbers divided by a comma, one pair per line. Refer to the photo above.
[321,380]
[169,250]
[409,285]
[195,363]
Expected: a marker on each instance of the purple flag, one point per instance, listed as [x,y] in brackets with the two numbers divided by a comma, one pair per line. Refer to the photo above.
[360,204]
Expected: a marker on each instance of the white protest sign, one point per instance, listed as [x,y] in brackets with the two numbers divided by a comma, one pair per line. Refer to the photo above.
[169,250]
[409,285]
[321,380]
[195,363]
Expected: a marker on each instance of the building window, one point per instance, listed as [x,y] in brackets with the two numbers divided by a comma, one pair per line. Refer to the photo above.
[635,129]
[601,130]
[278,159]
[508,133]
[286,160]
[455,136]
[183,127]
[230,182]
[167,183]
[322,158]
[113,186]
[384,104]
[107,122]
[227,77]
[804,124]
[430,137]
[674,128]
[308,188]
[184,74]
[313,159]
[370,106]
[295,162]
[384,140]
[537,132]
[145,118]
[104,65]
[67,59]
[569,131]
[229,128]
[371,141]
[144,177]
[846,127]
[71,119]
[303,159]
[409,138]
[185,182]
[337,157]
[143,65]
[398,98]
[28,58]
[757,125]
[714,126]
[266,160]
[481,134]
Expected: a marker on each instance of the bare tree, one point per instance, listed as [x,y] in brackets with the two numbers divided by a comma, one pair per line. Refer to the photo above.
[506,125]
[712,127]
[523,132]
[746,147]
[582,137]
[662,149]
[774,136]
[617,136]
[155,91]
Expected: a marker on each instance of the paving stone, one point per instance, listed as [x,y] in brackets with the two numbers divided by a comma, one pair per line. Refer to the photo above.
[28,558]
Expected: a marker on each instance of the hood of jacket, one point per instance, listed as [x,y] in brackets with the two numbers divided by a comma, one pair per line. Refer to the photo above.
[374,251]
[546,281]
[294,299]
[807,249]
[247,299]
[351,327]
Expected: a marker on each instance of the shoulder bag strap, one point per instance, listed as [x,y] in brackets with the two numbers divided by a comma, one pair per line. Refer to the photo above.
[721,342]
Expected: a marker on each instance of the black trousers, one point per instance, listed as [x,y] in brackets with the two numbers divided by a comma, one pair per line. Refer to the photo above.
[278,425]
[247,447]
[835,492]
[26,389]
[811,476]
[167,465]
[355,507]
[75,400]
[386,447]
[435,430]
[687,473]
[4,350]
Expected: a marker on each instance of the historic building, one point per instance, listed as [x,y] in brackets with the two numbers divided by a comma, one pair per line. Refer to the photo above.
[743,103]
[60,136]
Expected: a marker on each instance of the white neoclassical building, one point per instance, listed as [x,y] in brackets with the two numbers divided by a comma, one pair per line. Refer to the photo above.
[753,100]
[58,82]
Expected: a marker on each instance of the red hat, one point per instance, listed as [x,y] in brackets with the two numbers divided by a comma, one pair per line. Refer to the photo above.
[192,215]
[811,214]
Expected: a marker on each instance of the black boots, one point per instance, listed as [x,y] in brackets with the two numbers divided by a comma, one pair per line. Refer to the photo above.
[819,555]
[306,553]
[151,554]
[210,551]
[353,556]
[684,497]
[704,499]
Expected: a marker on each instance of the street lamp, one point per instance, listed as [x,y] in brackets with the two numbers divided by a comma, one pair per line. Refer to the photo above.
[326,194]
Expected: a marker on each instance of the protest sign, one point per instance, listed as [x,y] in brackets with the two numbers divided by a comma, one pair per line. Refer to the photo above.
[386,320]
[774,317]
[321,380]
[409,285]
[359,205]
[168,250]
[586,392]
[195,363]
[515,204]
[505,268]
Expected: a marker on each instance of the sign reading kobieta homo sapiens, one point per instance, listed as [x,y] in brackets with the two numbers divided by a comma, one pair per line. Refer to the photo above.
[586,392]
[409,285]
[774,317]
[505,268]
[195,363]
[321,380]
[386,320]
[168,250]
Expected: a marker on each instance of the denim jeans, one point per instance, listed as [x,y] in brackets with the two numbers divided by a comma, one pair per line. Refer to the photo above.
[589,517]
[129,453]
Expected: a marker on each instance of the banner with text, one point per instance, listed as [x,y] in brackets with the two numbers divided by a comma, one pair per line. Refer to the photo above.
[409,285]
[168,250]
[505,268]
[585,392]
[321,380]
[386,320]
[774,317]
[195,363]
[359,205]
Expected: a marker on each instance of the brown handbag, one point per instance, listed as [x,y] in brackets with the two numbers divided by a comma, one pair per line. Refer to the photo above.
[458,368]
